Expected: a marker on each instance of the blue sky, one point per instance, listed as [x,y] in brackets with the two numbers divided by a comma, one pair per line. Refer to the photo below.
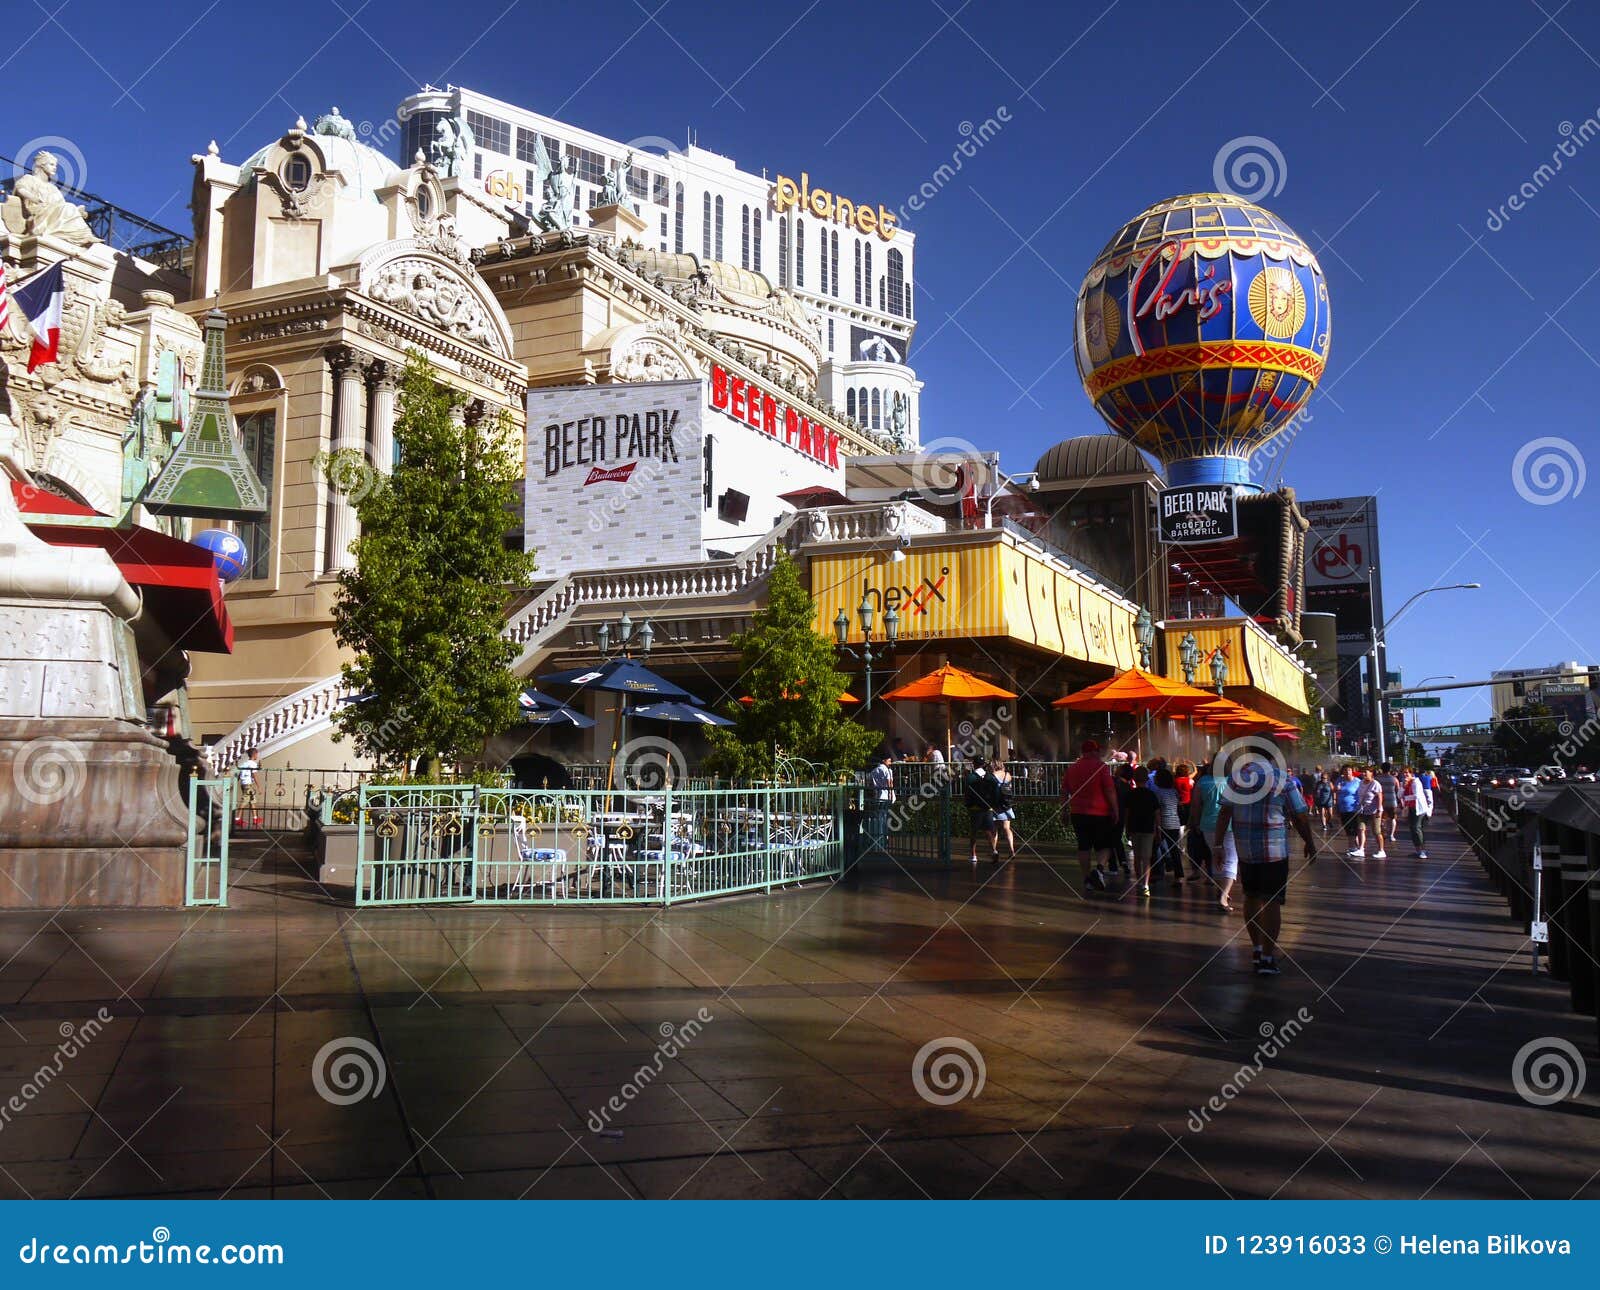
[1461,333]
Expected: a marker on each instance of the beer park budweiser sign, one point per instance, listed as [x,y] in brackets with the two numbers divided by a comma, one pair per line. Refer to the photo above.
[1197,513]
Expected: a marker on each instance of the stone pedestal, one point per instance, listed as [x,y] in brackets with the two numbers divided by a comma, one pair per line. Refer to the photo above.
[89,805]
[616,222]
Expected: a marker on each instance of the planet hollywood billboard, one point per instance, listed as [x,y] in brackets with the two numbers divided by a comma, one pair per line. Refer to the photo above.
[1341,551]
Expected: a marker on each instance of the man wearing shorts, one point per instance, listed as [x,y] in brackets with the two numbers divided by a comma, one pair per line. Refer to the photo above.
[1260,823]
[1089,800]
[1348,798]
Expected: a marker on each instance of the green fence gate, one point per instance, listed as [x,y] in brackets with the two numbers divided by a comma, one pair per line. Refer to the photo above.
[210,824]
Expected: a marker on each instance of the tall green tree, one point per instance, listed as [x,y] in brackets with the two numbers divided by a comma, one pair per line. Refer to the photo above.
[1312,746]
[790,674]
[424,607]
[1527,734]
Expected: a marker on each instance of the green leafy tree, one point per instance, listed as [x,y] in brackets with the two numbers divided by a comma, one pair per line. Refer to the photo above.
[1526,734]
[789,672]
[424,607]
[1312,746]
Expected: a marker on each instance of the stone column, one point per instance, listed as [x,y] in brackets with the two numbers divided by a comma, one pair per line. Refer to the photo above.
[349,437]
[380,406]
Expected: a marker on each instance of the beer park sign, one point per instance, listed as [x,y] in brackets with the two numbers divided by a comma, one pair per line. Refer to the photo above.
[1197,513]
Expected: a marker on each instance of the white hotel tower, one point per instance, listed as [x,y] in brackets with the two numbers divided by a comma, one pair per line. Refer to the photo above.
[856,284]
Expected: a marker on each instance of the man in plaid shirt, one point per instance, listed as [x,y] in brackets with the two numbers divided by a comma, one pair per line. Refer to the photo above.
[1259,803]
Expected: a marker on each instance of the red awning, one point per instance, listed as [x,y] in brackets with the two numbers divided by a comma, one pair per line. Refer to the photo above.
[179,584]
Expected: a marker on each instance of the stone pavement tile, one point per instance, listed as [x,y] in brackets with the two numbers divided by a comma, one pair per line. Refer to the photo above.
[135,1090]
[303,1112]
[45,1032]
[47,1093]
[654,1103]
[178,1126]
[893,1168]
[563,1011]
[208,1172]
[776,1059]
[756,1175]
[203,1026]
[40,1134]
[611,1069]
[296,1162]
[567,1182]
[772,1095]
[175,1057]
[601,1038]
[1056,1162]
[435,1074]
[460,1112]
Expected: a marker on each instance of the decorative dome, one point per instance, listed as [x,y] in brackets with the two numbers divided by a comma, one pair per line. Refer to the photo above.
[364,168]
[1091,456]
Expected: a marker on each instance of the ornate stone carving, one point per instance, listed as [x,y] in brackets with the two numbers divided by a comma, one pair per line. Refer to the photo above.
[419,287]
[89,354]
[259,380]
[650,360]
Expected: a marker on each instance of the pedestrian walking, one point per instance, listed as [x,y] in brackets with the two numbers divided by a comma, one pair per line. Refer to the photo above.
[880,797]
[982,802]
[1089,801]
[1348,795]
[1005,811]
[1259,824]
[1389,781]
[1369,815]
[1323,797]
[1207,805]
[1169,850]
[1419,810]
[1142,810]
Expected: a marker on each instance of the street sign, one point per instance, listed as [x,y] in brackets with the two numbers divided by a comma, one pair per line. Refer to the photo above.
[1419,701]
[1539,932]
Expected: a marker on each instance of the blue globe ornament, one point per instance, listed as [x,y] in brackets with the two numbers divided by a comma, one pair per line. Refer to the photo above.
[1202,329]
[227,550]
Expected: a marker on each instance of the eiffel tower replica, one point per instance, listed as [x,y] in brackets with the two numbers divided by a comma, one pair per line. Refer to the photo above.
[208,474]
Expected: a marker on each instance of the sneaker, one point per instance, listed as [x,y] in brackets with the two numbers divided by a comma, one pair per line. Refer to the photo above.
[1145,892]
[1422,855]
[1356,855]
[1380,855]
[1267,966]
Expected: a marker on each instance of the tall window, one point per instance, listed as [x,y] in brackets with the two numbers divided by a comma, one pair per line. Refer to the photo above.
[800,253]
[257,431]
[867,279]
[877,411]
[897,281]
[858,273]
[491,133]
[833,238]
[677,220]
[719,228]
[783,250]
[755,239]
[850,402]
[744,237]
[705,226]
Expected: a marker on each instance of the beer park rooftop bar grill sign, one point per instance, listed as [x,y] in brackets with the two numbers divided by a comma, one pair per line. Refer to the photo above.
[1197,513]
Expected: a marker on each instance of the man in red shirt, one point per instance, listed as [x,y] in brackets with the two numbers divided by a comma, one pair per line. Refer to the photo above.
[1089,801]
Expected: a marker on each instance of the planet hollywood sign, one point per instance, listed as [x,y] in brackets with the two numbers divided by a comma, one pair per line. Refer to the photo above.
[748,403]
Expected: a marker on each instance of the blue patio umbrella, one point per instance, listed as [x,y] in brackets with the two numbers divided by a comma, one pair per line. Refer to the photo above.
[620,676]
[559,716]
[535,701]
[687,713]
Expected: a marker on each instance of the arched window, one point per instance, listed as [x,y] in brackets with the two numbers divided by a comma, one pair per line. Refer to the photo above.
[867,278]
[897,281]
[800,253]
[705,227]
[858,273]
[744,237]
[877,411]
[755,239]
[850,403]
[834,253]
[677,219]
[881,302]
[719,228]
[783,250]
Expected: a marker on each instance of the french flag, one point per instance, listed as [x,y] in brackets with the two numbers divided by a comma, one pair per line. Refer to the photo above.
[40,299]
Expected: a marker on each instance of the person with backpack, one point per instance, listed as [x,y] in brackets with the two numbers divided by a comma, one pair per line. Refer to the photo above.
[1005,810]
[1140,812]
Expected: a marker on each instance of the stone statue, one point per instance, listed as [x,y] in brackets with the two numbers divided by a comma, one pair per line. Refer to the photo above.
[40,209]
[555,184]
[451,147]
[615,190]
[899,418]
[332,123]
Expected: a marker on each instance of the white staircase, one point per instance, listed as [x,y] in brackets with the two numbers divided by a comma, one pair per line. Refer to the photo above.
[536,625]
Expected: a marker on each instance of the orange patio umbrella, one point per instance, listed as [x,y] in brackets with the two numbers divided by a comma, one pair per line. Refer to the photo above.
[947,685]
[1136,690]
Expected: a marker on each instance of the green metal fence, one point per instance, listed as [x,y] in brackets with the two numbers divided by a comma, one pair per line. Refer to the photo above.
[210,824]
[912,829]
[452,844]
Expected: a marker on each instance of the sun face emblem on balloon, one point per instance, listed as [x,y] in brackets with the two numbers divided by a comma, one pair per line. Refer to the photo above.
[1278,302]
[1102,326]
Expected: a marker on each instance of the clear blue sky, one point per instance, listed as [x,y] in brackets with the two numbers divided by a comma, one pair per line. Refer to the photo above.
[1400,130]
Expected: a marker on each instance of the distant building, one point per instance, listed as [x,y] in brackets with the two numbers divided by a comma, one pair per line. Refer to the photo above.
[1568,693]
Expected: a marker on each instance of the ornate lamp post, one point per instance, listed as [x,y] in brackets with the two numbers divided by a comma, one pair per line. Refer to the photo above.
[1189,656]
[1144,631]
[627,641]
[867,654]
[1219,669]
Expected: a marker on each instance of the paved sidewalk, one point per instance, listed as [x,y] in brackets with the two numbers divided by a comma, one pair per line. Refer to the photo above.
[506,1036]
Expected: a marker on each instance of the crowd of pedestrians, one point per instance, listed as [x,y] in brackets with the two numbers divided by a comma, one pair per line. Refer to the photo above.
[1151,822]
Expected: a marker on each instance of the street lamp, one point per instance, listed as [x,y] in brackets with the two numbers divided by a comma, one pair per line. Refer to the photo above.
[1189,656]
[1380,646]
[867,654]
[625,636]
[1219,669]
[1144,630]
